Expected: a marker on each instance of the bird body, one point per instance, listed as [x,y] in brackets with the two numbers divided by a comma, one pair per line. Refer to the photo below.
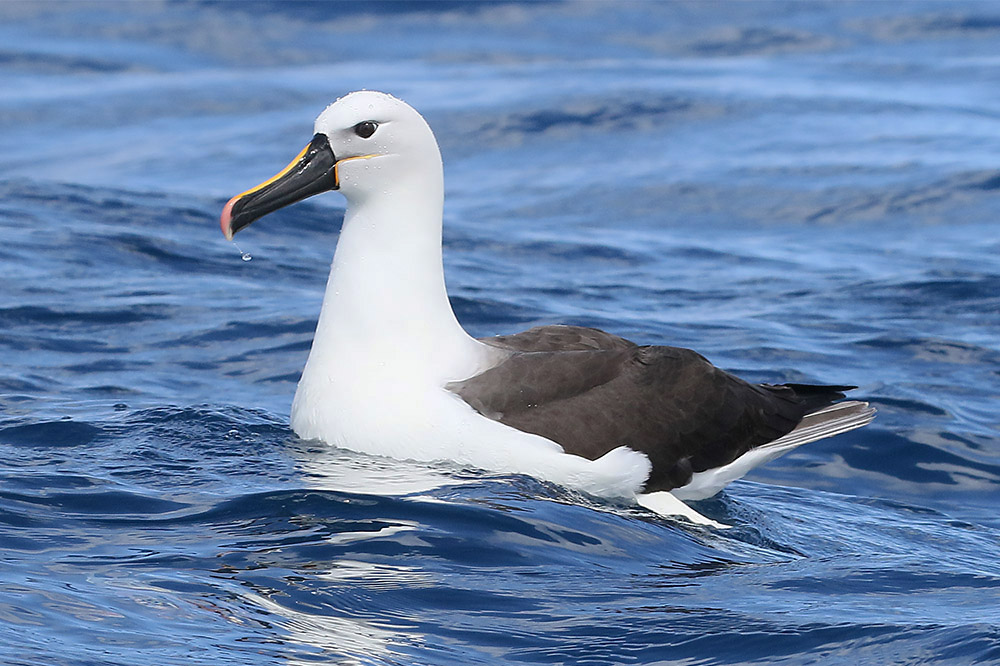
[392,372]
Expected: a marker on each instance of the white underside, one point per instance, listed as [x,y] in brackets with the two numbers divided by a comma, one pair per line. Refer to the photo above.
[432,424]
[442,427]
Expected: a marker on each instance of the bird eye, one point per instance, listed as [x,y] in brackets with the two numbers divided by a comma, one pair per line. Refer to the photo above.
[365,129]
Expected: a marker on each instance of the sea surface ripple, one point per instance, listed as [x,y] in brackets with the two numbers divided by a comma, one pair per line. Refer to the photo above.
[800,191]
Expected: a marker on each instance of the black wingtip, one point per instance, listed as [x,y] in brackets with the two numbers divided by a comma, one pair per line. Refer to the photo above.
[810,396]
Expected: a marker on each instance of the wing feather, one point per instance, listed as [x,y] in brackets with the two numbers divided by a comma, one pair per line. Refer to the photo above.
[592,392]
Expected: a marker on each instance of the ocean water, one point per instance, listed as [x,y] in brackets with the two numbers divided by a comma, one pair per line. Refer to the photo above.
[800,191]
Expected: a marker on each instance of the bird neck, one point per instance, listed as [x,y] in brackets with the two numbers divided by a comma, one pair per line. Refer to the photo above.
[386,297]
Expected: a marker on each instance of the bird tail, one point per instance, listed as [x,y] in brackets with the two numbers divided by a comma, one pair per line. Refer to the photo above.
[826,422]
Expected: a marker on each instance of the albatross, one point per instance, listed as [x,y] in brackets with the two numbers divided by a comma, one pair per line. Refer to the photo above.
[392,372]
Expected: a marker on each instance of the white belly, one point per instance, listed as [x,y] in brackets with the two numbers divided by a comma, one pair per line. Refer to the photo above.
[380,413]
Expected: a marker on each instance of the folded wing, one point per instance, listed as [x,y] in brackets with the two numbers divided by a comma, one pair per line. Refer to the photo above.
[592,392]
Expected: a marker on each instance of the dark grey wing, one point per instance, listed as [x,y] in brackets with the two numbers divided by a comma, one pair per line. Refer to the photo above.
[673,405]
[528,383]
[547,364]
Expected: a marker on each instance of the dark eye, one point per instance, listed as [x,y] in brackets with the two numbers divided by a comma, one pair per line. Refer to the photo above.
[365,129]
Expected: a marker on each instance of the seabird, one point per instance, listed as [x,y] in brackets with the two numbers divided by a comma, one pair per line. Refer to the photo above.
[392,372]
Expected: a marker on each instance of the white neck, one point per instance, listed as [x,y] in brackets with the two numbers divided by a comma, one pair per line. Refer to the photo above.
[386,308]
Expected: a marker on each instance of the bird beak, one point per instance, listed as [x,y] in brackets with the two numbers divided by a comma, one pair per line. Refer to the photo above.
[314,170]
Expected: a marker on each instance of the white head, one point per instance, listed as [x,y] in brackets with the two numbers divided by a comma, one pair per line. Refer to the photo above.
[366,142]
[380,143]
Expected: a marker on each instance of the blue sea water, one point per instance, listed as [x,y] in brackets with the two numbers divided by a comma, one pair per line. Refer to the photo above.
[800,191]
